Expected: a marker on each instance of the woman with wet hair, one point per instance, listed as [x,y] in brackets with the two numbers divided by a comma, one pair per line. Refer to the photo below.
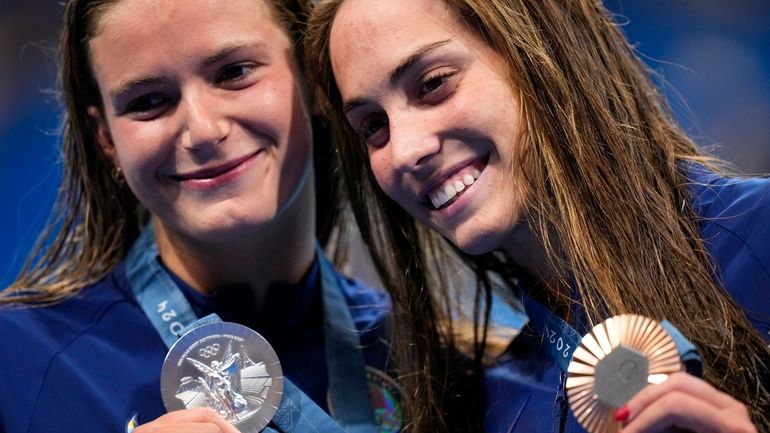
[188,202]
[528,138]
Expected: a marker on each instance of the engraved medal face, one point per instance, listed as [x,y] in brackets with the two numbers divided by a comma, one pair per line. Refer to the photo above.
[614,361]
[227,367]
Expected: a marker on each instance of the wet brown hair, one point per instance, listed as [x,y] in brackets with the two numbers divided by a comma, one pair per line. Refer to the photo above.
[96,217]
[604,175]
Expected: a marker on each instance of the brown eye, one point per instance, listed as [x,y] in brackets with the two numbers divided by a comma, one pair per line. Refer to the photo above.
[146,106]
[432,84]
[373,128]
[234,72]
[434,88]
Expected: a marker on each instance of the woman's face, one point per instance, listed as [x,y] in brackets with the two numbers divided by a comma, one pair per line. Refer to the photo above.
[204,111]
[439,116]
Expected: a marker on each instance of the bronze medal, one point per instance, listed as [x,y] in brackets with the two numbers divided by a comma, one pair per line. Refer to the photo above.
[614,361]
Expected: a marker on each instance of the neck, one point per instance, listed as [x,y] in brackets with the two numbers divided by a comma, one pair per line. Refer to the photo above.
[528,252]
[281,250]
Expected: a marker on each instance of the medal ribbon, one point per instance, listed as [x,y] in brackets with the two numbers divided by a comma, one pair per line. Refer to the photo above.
[562,339]
[155,291]
[349,392]
[171,315]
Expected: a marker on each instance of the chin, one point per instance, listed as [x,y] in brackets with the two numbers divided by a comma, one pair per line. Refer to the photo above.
[217,233]
[223,229]
[478,244]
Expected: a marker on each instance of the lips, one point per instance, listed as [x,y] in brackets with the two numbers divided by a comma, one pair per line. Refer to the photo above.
[214,176]
[212,172]
[452,187]
[454,184]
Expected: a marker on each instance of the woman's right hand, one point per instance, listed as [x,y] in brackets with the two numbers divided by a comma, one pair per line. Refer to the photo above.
[686,403]
[202,420]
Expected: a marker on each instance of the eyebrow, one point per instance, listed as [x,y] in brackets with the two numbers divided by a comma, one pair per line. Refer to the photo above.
[205,63]
[127,85]
[227,50]
[399,70]
[413,58]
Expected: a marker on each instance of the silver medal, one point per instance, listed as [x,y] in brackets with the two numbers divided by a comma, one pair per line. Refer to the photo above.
[227,367]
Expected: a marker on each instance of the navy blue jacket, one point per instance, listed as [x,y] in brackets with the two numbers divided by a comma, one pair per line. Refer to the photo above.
[735,225]
[92,363]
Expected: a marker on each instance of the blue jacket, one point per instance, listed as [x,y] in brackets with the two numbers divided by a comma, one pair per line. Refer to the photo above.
[524,386]
[92,363]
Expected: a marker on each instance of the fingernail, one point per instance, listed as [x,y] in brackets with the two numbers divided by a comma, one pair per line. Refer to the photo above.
[621,415]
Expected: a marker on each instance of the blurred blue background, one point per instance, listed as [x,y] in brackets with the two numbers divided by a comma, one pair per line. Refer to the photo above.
[712,53]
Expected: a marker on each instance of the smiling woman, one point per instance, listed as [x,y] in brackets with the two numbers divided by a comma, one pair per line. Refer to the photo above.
[528,135]
[417,109]
[189,193]
[205,119]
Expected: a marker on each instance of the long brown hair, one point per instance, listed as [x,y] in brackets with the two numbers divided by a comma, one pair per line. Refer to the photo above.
[604,174]
[96,217]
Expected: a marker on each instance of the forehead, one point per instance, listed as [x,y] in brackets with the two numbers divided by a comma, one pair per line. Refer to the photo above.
[135,21]
[152,37]
[361,25]
[372,39]
[121,10]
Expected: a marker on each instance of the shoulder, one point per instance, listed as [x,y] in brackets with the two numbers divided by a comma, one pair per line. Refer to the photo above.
[59,323]
[736,208]
[45,331]
[369,307]
[734,214]
[363,298]
[33,337]
[729,201]
[49,329]
[362,294]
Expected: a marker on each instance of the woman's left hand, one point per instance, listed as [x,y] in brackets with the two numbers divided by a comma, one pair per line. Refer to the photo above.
[685,402]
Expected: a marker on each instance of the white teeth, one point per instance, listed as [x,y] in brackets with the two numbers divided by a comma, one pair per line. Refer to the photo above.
[452,187]
[435,202]
[450,190]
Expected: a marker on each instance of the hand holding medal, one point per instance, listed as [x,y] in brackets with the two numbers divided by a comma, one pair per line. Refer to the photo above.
[228,368]
[616,360]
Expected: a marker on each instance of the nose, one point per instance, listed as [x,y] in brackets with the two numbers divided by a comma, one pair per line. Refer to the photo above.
[413,143]
[206,125]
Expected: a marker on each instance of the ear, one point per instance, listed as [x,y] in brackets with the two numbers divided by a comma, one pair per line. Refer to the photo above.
[101,131]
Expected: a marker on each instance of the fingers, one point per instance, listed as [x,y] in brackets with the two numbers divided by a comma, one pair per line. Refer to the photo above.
[688,403]
[687,412]
[685,383]
[203,420]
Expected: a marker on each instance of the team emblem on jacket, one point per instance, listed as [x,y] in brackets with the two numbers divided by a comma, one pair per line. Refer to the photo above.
[385,395]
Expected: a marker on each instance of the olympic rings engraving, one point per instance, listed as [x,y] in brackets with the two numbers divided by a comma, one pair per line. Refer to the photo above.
[209,351]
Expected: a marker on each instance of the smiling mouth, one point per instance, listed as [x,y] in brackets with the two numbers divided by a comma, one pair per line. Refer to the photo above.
[211,178]
[454,186]
[213,172]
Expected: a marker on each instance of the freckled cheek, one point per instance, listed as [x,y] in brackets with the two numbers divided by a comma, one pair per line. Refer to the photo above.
[280,109]
[142,151]
[464,109]
[268,96]
[384,173]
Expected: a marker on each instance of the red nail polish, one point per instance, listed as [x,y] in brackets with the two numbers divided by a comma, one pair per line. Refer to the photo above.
[621,415]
